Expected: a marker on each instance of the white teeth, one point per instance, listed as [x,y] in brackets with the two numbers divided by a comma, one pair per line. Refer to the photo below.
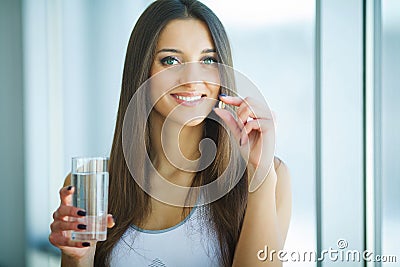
[188,98]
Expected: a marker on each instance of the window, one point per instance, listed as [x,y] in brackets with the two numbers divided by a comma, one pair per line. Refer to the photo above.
[333,88]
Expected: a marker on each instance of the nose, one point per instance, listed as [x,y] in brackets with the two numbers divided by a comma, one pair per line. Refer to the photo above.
[191,74]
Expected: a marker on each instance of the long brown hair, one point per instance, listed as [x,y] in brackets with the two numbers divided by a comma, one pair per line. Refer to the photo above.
[128,203]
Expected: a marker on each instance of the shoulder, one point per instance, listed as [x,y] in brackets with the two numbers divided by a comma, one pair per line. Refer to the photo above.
[283,195]
[281,169]
[283,183]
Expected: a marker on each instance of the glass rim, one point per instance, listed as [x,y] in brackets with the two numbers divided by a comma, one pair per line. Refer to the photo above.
[90,158]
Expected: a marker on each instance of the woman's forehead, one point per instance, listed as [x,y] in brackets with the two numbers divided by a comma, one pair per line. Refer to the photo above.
[187,35]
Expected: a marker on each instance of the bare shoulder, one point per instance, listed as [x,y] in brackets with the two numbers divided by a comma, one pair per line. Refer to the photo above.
[283,194]
[283,178]
[281,169]
[283,184]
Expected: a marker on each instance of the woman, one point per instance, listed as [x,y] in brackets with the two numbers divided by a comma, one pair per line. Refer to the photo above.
[148,231]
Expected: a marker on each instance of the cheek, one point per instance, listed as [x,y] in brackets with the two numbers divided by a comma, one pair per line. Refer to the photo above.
[159,101]
[162,108]
[161,83]
[214,84]
[214,90]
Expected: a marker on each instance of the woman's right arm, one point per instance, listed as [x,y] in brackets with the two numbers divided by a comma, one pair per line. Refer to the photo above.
[74,254]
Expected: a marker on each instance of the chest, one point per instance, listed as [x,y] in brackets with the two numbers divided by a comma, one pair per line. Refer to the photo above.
[189,243]
[164,217]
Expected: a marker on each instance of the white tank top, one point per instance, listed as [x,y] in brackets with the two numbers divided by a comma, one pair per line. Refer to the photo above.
[188,243]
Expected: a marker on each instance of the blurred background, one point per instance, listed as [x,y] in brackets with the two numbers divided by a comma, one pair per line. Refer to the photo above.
[329,69]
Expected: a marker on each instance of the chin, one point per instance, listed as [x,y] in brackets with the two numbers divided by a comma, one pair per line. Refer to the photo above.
[195,122]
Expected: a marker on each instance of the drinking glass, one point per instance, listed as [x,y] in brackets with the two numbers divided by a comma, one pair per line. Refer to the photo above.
[89,176]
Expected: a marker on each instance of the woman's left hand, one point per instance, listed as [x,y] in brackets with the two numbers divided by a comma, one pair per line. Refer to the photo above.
[253,129]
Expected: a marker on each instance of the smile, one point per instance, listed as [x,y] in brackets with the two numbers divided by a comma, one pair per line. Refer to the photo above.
[188,99]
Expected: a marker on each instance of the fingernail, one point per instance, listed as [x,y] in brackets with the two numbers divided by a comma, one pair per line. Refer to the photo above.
[222,95]
[81,213]
[82,226]
[86,244]
[69,187]
[240,142]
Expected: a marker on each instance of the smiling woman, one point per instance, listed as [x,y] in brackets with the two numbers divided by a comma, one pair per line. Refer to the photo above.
[177,46]
[333,85]
[181,42]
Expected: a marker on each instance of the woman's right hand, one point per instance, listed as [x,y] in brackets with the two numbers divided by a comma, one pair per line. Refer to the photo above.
[62,226]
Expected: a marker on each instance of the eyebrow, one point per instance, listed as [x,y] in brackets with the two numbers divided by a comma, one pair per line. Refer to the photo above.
[172,50]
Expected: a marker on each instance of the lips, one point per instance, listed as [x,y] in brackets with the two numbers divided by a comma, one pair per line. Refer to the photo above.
[188,99]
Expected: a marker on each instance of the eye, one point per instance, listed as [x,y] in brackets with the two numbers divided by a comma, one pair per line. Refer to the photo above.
[209,60]
[169,61]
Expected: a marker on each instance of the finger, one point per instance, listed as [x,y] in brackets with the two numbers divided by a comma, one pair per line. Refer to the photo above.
[59,226]
[254,125]
[231,100]
[238,101]
[110,221]
[252,106]
[69,211]
[256,108]
[66,195]
[244,112]
[59,240]
[230,121]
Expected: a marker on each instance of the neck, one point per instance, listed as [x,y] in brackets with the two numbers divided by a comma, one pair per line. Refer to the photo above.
[174,149]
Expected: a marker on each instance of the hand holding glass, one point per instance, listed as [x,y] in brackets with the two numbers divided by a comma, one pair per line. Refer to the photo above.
[90,179]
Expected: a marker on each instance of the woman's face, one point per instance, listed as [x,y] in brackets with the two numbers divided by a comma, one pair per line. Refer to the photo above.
[184,74]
